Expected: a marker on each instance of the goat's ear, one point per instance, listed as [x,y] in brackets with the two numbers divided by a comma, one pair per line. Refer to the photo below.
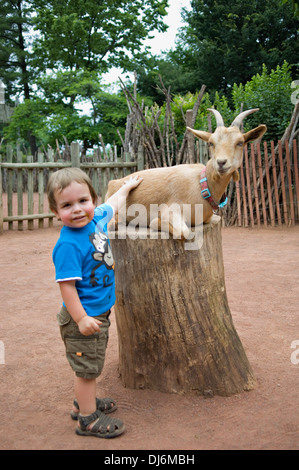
[200,134]
[255,133]
[235,176]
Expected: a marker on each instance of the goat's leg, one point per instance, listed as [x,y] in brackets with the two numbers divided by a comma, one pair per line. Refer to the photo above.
[155,224]
[160,225]
[177,226]
[208,219]
[164,225]
[171,221]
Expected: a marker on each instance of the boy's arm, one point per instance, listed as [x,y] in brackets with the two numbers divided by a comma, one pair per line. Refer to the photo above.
[118,199]
[87,325]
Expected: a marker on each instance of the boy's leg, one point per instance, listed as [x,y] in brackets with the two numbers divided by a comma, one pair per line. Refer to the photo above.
[93,422]
[85,392]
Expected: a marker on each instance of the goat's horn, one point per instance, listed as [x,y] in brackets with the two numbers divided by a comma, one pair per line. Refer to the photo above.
[219,118]
[239,119]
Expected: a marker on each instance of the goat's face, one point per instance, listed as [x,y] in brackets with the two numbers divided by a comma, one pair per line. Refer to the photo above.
[226,143]
[226,149]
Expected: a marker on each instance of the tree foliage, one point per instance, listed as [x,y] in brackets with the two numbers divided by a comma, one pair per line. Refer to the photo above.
[230,40]
[57,51]
[15,23]
[224,43]
[54,54]
[295,5]
[93,35]
[269,91]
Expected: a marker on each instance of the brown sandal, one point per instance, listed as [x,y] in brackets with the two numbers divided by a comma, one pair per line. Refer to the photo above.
[106,405]
[103,427]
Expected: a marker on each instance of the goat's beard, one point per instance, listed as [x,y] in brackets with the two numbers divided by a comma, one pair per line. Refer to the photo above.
[235,176]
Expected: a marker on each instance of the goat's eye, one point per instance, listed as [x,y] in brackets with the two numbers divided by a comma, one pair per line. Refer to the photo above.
[240,144]
[211,145]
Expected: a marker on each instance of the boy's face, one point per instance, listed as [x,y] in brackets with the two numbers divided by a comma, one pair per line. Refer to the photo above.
[75,206]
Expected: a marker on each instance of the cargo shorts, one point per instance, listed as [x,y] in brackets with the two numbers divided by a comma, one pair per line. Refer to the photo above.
[85,354]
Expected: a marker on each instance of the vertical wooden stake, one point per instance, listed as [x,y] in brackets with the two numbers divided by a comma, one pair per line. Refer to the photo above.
[282,181]
[291,199]
[259,160]
[275,184]
[249,186]
[296,174]
[20,188]
[269,189]
[30,192]
[256,198]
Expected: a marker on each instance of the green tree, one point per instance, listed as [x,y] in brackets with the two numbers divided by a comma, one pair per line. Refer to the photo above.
[15,22]
[31,114]
[93,34]
[227,42]
[270,91]
[73,43]
[15,57]
[295,4]
[173,73]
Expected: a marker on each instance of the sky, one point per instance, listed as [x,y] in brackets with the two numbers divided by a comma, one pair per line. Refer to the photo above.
[166,40]
[162,41]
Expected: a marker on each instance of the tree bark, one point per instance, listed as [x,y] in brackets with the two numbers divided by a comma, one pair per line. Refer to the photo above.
[175,328]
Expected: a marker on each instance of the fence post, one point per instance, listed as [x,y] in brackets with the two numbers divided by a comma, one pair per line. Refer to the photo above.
[75,154]
[190,136]
[9,158]
[296,175]
[1,201]
[282,182]
[40,157]
[255,193]
[30,191]
[20,187]
[248,186]
[275,183]
[50,159]
[269,187]
[140,158]
[127,156]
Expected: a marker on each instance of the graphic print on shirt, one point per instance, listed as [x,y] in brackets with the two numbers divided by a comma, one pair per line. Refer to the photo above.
[103,255]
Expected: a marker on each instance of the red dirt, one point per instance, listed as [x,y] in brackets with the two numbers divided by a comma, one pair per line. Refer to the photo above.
[36,386]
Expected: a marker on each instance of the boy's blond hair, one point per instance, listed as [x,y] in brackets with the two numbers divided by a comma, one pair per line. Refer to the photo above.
[59,180]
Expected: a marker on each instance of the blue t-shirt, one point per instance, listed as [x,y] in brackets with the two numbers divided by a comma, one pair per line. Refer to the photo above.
[84,254]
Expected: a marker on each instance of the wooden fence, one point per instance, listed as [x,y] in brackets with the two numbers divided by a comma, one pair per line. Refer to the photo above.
[23,185]
[266,195]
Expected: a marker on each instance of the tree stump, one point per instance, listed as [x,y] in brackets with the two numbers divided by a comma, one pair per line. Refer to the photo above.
[175,328]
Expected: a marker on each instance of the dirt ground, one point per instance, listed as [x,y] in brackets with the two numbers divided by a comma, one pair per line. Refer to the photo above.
[36,383]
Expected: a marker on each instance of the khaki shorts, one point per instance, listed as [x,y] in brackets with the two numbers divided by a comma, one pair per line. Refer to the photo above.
[86,354]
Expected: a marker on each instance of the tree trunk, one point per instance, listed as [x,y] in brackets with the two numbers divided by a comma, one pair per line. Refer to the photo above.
[174,324]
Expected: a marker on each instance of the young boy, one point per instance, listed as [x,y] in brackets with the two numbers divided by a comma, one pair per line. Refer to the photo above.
[84,270]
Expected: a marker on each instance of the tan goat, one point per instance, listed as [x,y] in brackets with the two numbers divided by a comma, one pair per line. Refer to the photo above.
[170,188]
